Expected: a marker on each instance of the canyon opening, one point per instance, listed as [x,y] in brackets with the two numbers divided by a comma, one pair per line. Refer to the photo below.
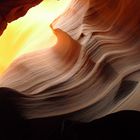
[30,32]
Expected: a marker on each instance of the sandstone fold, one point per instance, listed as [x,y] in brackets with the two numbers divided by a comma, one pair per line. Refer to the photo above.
[93,70]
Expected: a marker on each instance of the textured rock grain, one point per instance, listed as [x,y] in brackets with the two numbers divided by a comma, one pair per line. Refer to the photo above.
[93,70]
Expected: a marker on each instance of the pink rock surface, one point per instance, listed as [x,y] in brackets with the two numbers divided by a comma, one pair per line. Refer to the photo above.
[93,70]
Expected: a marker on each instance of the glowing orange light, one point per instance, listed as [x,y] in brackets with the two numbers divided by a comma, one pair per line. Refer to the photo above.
[31,32]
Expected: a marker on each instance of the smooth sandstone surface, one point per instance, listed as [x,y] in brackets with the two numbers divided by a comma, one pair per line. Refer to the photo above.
[93,70]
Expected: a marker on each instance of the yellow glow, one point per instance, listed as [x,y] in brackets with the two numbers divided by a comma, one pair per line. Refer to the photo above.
[31,32]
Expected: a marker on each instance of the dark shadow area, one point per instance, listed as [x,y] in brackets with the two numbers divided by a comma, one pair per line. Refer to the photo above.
[125,89]
[117,126]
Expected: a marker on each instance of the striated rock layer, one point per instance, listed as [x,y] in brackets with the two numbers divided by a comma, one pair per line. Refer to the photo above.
[93,70]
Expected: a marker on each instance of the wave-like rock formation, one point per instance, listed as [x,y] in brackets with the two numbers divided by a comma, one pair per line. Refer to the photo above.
[93,70]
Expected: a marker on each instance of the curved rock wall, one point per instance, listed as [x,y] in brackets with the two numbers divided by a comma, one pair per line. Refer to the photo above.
[93,70]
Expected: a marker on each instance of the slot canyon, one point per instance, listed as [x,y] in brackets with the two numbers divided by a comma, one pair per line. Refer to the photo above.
[79,59]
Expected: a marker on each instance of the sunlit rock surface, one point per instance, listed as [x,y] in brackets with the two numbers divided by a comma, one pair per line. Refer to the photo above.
[93,70]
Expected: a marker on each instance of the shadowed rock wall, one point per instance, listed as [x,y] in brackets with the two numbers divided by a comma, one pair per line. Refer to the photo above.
[93,70]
